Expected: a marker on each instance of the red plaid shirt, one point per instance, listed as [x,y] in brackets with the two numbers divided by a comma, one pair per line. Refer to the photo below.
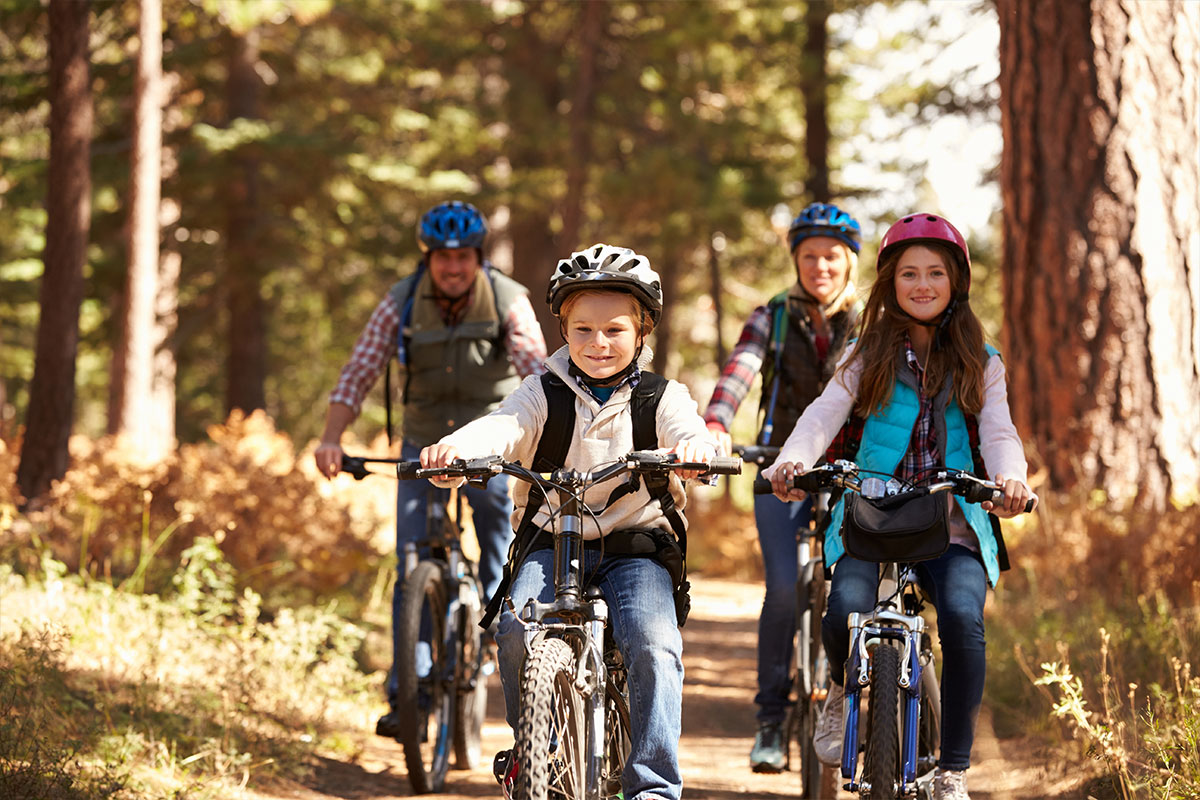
[741,369]
[922,453]
[377,343]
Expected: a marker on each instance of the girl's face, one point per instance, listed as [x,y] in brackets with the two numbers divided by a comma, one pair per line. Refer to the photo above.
[602,333]
[823,266]
[922,283]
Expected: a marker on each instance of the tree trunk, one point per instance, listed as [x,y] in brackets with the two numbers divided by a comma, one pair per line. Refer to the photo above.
[591,28]
[1101,229]
[534,257]
[136,414]
[44,453]
[814,84]
[246,372]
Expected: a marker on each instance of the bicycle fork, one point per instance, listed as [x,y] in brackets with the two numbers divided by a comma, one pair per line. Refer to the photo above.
[868,631]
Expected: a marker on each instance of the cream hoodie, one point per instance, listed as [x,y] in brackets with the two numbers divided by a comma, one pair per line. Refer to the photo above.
[603,433]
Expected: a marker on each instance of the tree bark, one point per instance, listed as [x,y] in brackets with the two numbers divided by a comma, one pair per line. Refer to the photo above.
[247,366]
[137,412]
[1102,242]
[44,452]
[580,122]
[814,84]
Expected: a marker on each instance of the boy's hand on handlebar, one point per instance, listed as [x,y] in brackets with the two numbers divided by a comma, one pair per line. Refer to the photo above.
[781,474]
[440,455]
[722,438]
[1016,495]
[693,450]
[329,459]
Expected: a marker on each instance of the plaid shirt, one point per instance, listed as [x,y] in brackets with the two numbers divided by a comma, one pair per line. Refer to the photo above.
[922,452]
[377,343]
[741,369]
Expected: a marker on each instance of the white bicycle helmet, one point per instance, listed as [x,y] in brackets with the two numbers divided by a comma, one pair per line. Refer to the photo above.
[607,267]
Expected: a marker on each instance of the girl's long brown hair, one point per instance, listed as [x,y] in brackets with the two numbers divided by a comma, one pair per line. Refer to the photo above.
[960,358]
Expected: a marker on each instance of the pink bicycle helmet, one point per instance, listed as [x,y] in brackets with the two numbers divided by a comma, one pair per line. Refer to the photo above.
[925,227]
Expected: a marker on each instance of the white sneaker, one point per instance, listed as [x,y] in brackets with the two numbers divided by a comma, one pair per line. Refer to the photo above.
[950,784]
[827,741]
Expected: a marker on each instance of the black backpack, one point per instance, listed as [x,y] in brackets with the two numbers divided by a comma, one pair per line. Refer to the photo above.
[551,454]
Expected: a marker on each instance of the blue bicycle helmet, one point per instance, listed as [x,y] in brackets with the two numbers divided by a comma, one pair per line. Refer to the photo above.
[825,219]
[450,225]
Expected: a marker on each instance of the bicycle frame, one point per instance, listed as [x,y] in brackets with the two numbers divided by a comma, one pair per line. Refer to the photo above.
[866,632]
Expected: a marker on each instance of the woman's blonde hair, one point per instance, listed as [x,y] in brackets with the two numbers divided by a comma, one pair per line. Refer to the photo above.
[959,357]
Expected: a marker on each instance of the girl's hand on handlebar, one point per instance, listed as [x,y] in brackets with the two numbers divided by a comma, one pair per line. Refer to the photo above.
[1016,495]
[440,455]
[329,459]
[694,450]
[781,475]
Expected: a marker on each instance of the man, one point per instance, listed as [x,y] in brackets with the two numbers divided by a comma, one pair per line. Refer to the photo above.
[464,335]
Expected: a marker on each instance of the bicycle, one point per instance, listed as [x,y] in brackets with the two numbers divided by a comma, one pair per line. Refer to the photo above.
[573,734]
[810,673]
[439,656]
[891,652]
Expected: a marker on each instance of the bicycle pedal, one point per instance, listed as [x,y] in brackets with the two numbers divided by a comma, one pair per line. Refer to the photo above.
[504,767]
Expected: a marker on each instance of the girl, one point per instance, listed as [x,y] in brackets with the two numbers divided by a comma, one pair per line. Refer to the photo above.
[915,383]
[607,300]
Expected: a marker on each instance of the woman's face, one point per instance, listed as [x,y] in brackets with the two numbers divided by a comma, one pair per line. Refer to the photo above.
[823,267]
[922,282]
[602,333]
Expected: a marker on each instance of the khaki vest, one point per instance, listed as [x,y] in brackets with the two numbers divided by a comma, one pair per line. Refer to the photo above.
[455,374]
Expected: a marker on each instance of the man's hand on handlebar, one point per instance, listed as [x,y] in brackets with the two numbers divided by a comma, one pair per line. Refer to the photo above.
[329,459]
[440,455]
[781,474]
[1016,495]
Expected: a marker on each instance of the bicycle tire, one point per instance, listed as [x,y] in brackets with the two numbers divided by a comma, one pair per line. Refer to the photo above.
[812,677]
[551,736]
[470,704]
[426,732]
[617,739]
[881,767]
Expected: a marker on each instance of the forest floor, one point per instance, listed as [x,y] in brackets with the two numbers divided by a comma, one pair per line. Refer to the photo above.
[718,729]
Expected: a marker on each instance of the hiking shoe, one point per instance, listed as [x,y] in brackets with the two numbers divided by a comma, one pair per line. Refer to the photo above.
[504,767]
[388,725]
[767,755]
[950,784]
[827,741]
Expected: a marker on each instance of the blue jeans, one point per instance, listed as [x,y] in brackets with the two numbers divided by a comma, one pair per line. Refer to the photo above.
[491,512]
[777,523]
[957,582]
[642,614]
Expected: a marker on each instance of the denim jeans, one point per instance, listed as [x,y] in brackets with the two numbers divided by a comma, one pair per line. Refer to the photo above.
[957,582]
[642,614]
[777,523]
[491,513]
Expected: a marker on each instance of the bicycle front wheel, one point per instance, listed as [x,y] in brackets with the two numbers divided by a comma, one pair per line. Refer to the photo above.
[881,767]
[552,729]
[420,664]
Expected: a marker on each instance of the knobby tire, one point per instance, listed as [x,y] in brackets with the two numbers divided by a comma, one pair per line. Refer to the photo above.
[552,728]
[426,725]
[881,768]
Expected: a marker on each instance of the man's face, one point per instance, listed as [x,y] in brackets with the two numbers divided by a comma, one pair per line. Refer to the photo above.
[453,270]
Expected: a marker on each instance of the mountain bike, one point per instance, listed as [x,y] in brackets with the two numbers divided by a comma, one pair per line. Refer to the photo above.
[891,653]
[439,657]
[810,673]
[573,734]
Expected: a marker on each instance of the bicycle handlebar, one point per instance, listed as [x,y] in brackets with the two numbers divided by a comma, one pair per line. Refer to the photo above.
[357,465]
[755,453]
[845,474]
[638,461]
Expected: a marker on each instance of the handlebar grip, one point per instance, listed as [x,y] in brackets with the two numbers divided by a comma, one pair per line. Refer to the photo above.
[993,495]
[762,486]
[811,482]
[354,465]
[725,465]
[407,470]
[1029,504]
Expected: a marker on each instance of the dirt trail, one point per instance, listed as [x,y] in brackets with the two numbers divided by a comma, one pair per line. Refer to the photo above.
[718,725]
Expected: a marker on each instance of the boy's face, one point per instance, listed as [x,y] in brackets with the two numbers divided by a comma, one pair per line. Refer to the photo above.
[602,333]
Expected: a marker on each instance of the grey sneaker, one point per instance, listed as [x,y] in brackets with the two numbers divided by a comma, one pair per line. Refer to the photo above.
[950,784]
[767,754]
[827,741]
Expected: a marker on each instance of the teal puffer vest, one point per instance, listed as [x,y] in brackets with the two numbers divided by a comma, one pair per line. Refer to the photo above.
[885,438]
